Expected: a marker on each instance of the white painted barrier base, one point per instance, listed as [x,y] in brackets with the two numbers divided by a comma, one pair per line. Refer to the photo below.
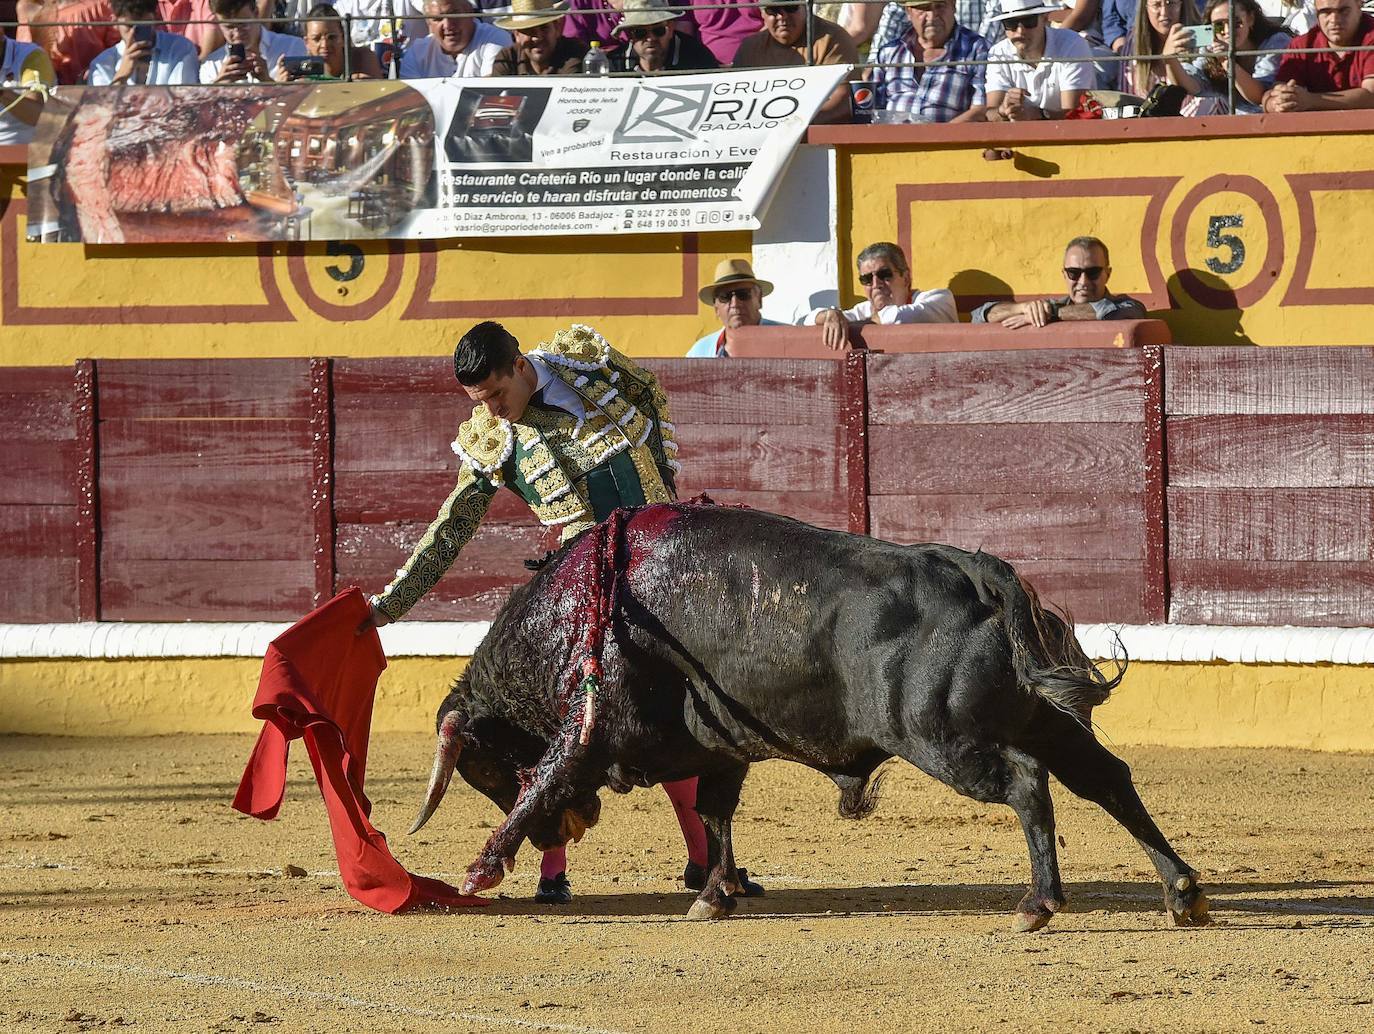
[1182,643]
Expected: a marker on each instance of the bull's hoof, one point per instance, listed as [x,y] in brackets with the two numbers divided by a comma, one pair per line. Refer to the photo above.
[1186,903]
[484,874]
[704,909]
[1034,913]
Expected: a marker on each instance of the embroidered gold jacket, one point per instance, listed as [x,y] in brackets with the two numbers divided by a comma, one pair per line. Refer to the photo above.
[571,472]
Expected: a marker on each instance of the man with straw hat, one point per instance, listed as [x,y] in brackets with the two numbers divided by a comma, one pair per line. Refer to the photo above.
[655,45]
[540,47]
[737,295]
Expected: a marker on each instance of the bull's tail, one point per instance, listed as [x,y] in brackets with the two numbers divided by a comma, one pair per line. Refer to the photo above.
[1045,652]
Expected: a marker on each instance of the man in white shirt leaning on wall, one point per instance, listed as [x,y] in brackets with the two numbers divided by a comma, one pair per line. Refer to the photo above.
[885,277]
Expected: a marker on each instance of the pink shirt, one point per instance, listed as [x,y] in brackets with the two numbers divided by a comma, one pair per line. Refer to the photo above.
[723,30]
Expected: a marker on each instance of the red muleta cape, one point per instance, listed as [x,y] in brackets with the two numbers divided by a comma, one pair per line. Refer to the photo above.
[318,682]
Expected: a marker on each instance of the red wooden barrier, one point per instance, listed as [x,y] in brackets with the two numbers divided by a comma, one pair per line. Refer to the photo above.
[205,484]
[1271,485]
[1036,456]
[38,464]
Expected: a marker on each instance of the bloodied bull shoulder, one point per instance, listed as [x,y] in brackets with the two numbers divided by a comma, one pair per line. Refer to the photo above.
[683,640]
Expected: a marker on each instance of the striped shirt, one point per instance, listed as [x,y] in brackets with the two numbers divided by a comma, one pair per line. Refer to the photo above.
[938,94]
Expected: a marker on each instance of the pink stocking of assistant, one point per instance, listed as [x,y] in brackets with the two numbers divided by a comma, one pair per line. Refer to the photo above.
[553,862]
[683,794]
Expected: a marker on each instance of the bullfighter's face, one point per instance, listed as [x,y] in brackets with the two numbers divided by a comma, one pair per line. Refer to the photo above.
[506,395]
[1086,273]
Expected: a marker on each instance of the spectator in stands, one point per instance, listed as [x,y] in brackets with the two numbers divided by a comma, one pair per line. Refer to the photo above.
[1041,84]
[737,295]
[885,277]
[598,20]
[377,21]
[263,49]
[21,65]
[952,93]
[655,43]
[1163,27]
[783,42]
[724,24]
[1087,267]
[1333,80]
[540,47]
[1206,75]
[1118,19]
[457,45]
[162,60]
[324,38]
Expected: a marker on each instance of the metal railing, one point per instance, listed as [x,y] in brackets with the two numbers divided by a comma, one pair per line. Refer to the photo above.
[347,22]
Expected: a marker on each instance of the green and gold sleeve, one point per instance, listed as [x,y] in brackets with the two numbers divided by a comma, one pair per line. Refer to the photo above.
[451,530]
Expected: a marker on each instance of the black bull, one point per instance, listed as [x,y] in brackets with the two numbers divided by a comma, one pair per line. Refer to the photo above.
[735,636]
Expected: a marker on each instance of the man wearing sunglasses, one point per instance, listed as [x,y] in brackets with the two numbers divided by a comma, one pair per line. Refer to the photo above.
[1087,267]
[782,42]
[655,46]
[736,294]
[885,278]
[1045,70]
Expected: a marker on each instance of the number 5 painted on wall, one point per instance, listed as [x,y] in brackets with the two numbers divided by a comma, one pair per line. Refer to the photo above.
[1217,239]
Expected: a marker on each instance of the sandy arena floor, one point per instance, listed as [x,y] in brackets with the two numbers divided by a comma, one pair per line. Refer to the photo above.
[131,895]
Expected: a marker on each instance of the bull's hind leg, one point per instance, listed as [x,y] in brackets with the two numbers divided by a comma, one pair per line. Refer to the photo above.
[717,799]
[1093,772]
[1002,775]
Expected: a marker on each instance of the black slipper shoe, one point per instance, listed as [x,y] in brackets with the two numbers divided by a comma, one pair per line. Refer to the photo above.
[554,890]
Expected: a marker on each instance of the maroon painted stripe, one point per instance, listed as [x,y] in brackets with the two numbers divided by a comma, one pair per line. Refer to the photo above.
[1156,582]
[855,401]
[322,484]
[85,417]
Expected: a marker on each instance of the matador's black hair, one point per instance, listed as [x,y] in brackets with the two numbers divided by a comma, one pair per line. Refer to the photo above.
[486,349]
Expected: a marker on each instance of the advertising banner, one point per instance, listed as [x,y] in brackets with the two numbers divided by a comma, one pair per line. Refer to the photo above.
[424,158]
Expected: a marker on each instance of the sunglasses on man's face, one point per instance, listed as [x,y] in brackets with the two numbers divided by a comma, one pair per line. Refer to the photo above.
[742,294]
[656,31]
[883,274]
[782,10]
[1091,272]
[1028,21]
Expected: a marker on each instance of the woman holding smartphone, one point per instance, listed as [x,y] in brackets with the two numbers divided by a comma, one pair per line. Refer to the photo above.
[324,39]
[1206,76]
[143,56]
[1164,28]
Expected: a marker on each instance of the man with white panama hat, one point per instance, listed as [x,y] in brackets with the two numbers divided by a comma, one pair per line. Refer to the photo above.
[655,45]
[1036,83]
[540,47]
[737,296]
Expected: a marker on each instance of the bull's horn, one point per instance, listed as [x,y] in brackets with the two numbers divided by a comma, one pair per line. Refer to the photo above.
[445,758]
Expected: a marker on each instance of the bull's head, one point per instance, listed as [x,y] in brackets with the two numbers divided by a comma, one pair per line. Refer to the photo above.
[489,754]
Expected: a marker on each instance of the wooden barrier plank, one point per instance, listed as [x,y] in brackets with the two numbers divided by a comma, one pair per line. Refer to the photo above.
[762,458]
[1325,524]
[207,590]
[1271,451]
[1288,592]
[998,458]
[410,437]
[37,530]
[1032,526]
[1212,381]
[258,518]
[159,389]
[1098,385]
[373,497]
[395,376]
[787,391]
[38,588]
[1090,590]
[37,471]
[155,453]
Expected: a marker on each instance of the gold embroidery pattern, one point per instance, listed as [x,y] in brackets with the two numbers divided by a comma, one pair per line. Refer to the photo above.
[558,500]
[450,531]
[578,347]
[484,443]
[655,491]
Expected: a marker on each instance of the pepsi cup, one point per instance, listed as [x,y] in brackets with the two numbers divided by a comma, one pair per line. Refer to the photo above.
[861,98]
[387,52]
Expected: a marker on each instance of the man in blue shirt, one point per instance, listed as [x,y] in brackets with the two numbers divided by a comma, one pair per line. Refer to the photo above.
[1087,267]
[737,295]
